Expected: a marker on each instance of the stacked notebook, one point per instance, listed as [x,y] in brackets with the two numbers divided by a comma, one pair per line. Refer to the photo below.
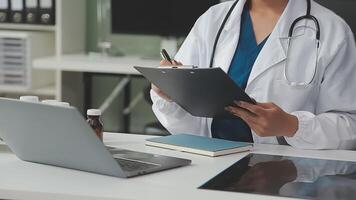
[199,145]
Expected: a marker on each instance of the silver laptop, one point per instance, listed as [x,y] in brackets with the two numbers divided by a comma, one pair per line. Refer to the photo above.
[61,137]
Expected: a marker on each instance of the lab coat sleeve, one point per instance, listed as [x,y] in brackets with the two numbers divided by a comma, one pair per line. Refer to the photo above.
[335,125]
[175,119]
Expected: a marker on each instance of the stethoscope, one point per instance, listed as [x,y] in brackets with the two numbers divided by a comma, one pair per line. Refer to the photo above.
[307,16]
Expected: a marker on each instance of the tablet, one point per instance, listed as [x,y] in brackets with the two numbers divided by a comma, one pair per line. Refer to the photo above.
[287,176]
[203,92]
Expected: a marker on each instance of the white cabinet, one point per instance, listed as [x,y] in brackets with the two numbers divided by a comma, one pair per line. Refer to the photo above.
[67,36]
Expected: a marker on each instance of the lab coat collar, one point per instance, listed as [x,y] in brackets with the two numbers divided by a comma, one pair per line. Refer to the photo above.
[229,38]
[235,17]
[294,9]
[274,51]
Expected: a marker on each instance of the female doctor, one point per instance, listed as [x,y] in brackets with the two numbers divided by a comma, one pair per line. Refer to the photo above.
[303,71]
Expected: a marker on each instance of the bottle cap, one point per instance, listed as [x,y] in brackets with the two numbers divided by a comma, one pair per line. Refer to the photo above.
[94,112]
[33,99]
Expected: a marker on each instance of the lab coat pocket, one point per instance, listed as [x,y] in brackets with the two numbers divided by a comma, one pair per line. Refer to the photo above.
[293,98]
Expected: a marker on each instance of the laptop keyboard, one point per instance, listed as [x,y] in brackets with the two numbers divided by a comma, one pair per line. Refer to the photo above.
[130,166]
[131,161]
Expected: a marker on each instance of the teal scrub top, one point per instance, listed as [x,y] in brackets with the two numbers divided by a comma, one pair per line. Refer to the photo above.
[245,56]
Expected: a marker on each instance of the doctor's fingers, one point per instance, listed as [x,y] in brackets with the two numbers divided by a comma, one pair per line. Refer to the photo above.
[167,63]
[247,116]
[177,63]
[268,105]
[255,109]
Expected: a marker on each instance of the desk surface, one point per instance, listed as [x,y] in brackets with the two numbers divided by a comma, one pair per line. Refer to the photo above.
[21,179]
[94,64]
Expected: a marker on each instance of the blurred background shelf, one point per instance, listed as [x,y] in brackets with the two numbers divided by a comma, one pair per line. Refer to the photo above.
[27,27]
[66,36]
[48,91]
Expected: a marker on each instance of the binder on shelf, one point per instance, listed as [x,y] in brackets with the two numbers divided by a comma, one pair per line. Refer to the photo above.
[47,12]
[31,11]
[17,11]
[4,11]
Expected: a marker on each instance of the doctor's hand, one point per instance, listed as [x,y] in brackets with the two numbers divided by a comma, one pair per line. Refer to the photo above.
[266,119]
[155,88]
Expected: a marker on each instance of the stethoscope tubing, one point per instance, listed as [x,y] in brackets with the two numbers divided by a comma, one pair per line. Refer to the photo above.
[307,16]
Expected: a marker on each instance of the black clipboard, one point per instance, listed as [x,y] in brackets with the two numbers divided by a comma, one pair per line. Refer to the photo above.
[203,92]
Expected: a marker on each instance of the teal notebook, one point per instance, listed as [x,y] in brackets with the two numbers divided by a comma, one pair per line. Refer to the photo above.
[199,145]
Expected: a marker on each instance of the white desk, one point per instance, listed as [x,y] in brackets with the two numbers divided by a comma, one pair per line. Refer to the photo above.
[34,181]
[92,65]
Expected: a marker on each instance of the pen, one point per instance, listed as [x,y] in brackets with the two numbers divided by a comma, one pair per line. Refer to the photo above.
[166,56]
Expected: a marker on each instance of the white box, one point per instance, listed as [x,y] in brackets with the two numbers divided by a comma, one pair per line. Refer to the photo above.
[17,50]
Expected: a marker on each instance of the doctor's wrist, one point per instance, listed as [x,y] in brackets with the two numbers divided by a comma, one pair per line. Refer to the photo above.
[293,124]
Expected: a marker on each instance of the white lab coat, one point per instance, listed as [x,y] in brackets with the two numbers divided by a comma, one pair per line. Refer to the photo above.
[326,109]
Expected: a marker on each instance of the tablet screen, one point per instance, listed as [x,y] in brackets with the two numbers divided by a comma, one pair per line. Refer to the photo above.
[288,177]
